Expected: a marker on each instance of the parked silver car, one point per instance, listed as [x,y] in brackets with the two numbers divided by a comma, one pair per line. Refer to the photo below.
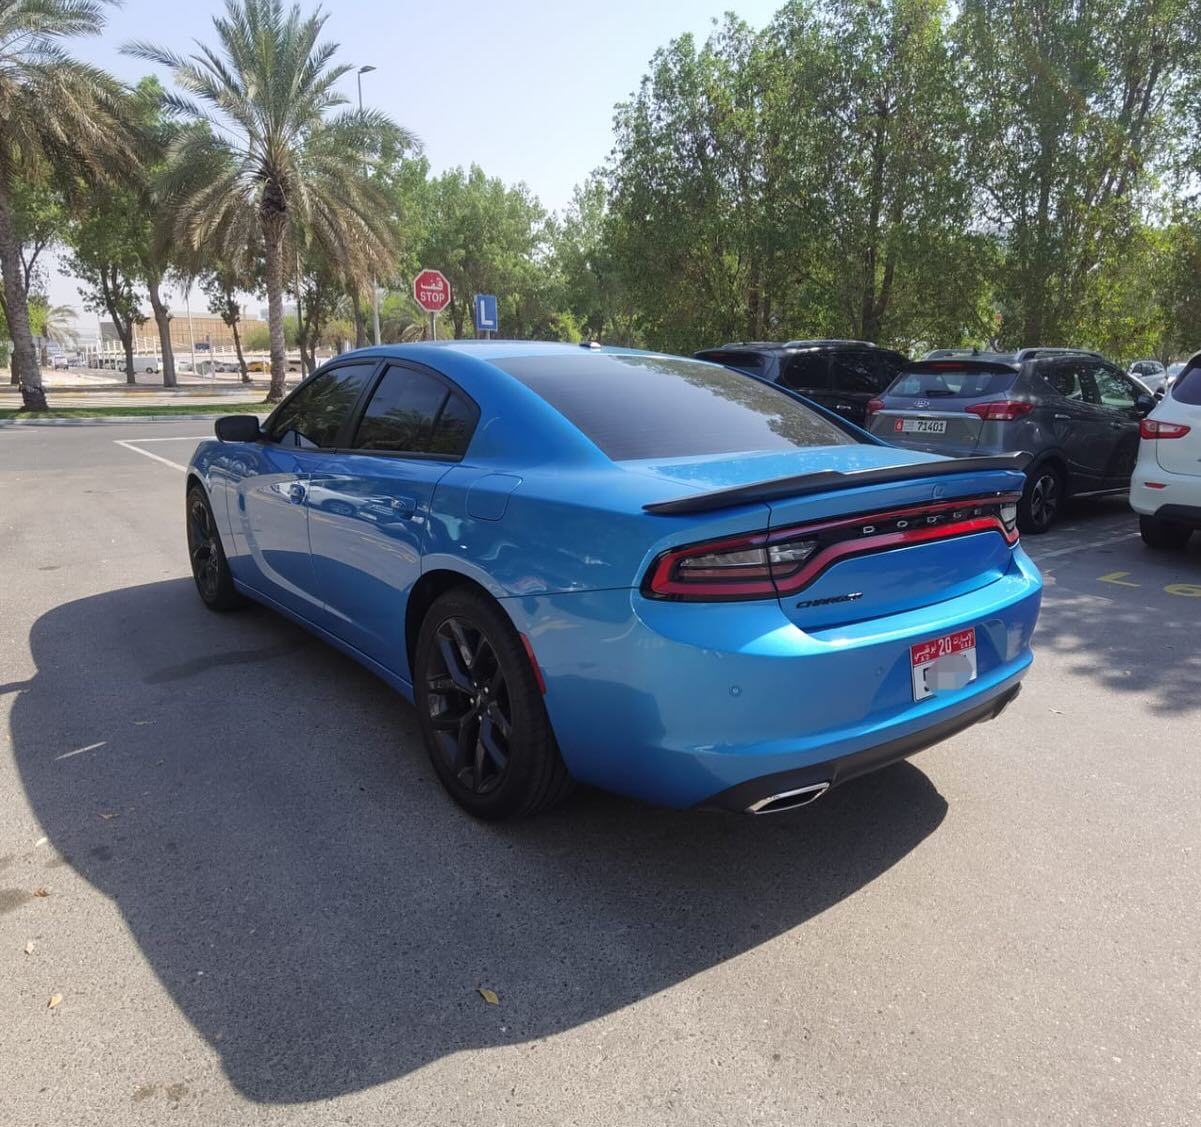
[1074,411]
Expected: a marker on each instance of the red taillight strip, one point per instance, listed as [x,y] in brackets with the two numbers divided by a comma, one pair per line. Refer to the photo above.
[662,583]
[870,544]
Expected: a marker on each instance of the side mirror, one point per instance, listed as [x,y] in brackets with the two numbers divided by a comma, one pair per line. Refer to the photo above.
[240,428]
[1144,404]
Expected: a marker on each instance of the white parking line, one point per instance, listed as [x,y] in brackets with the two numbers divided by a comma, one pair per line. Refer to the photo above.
[147,454]
[1038,557]
[175,438]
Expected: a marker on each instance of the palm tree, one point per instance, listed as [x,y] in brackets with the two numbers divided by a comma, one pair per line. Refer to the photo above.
[56,112]
[270,158]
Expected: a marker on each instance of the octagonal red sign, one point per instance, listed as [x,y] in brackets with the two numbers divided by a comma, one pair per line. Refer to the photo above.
[432,291]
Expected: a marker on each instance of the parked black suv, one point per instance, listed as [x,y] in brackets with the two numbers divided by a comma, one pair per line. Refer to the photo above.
[841,375]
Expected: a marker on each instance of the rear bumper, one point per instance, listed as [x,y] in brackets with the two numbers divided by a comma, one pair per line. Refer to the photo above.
[1178,499]
[746,796]
[680,703]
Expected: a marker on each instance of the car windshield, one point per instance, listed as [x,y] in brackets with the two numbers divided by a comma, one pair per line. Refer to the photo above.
[636,407]
[948,380]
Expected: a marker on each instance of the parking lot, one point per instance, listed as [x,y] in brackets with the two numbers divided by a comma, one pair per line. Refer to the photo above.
[223,850]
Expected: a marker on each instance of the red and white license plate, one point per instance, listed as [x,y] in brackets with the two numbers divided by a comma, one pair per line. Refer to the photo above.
[943,664]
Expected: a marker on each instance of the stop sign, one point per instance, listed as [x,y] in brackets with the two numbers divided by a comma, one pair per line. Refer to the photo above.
[432,291]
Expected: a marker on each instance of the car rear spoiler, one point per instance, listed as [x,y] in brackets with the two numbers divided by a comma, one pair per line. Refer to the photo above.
[826,481]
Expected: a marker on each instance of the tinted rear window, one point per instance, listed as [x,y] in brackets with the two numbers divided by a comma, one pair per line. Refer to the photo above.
[951,382]
[753,362]
[667,407]
[1187,388]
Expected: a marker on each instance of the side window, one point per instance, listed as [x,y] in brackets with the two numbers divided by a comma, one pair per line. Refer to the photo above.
[806,371]
[1065,379]
[414,413]
[1114,389]
[314,415]
[855,372]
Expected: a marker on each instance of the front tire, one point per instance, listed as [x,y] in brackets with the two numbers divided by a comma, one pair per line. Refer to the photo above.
[210,570]
[1042,500]
[1163,535]
[481,711]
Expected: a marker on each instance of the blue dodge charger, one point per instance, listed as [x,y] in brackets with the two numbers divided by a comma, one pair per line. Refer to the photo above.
[650,574]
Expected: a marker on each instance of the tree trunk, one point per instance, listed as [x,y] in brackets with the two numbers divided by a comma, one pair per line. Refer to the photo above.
[360,325]
[238,349]
[127,340]
[25,357]
[163,320]
[273,239]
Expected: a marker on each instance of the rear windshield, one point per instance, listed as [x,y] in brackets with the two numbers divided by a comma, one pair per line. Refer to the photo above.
[1187,388]
[949,382]
[636,407]
[753,362]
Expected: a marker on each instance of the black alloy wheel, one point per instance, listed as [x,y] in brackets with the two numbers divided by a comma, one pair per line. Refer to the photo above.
[1042,500]
[209,567]
[481,711]
[469,705]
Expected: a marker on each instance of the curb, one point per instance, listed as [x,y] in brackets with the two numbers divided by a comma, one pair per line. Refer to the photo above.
[123,419]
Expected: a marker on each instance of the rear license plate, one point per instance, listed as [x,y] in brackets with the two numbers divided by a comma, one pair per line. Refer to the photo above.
[921,426]
[943,664]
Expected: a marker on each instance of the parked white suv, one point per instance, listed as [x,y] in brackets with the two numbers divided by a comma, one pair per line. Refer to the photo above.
[1166,487]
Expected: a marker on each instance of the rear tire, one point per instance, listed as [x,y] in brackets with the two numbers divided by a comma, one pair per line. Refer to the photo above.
[1163,535]
[210,570]
[1042,500]
[481,712]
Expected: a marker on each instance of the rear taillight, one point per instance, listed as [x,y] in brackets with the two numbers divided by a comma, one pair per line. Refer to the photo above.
[767,564]
[874,406]
[746,567]
[1004,411]
[1153,428]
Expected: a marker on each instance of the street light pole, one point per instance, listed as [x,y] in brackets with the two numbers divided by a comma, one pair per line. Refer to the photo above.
[374,291]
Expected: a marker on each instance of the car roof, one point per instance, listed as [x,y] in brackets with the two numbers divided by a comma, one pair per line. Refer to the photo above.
[791,345]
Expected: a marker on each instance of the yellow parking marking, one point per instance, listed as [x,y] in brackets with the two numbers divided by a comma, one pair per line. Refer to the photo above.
[1117,578]
[1186,590]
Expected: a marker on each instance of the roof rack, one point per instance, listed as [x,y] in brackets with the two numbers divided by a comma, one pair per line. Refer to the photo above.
[826,341]
[1036,351]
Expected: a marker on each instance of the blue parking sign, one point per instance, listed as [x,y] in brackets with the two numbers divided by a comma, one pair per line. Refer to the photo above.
[485,313]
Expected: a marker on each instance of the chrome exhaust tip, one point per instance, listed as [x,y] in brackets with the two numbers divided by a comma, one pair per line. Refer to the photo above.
[788,799]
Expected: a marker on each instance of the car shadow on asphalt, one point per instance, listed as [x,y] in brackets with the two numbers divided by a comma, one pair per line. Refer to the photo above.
[262,812]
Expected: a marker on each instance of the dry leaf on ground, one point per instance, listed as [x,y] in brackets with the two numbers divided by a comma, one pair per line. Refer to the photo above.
[29,948]
[109,817]
[489,996]
[55,999]
[42,891]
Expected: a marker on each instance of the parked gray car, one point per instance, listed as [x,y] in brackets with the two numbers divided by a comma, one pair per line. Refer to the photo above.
[1075,412]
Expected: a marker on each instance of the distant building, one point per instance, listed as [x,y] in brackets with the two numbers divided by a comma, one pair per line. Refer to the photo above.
[209,333]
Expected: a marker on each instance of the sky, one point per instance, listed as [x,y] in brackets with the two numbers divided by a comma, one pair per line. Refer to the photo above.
[523,88]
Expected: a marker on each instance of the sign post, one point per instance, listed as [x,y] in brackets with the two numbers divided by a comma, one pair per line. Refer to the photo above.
[485,314]
[432,292]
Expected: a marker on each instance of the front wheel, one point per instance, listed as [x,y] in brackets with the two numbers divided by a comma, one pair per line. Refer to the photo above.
[210,569]
[1164,535]
[481,712]
[1042,500]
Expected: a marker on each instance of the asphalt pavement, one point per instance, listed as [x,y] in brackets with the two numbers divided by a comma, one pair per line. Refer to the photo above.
[225,861]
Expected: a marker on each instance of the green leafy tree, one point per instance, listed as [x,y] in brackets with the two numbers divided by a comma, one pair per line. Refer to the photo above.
[221,284]
[39,218]
[59,114]
[1071,105]
[272,153]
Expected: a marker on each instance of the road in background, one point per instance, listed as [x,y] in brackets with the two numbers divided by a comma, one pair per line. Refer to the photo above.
[261,908]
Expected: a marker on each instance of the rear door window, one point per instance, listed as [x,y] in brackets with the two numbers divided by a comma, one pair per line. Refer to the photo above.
[312,418]
[643,407]
[411,412]
[754,363]
[806,371]
[1114,390]
[947,380]
[857,372]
